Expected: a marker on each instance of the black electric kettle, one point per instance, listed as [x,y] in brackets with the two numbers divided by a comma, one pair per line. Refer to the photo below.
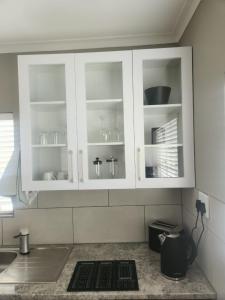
[177,252]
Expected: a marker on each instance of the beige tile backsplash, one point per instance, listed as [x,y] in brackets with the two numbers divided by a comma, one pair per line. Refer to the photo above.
[109,224]
[92,216]
[46,226]
[144,197]
[73,198]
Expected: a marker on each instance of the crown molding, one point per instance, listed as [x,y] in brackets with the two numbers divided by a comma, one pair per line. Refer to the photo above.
[185,17]
[180,25]
[88,43]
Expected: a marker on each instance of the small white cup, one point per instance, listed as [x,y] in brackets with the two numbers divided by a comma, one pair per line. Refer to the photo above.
[61,175]
[49,176]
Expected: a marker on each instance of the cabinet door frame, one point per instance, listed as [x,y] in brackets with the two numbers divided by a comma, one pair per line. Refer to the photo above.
[185,54]
[116,56]
[24,61]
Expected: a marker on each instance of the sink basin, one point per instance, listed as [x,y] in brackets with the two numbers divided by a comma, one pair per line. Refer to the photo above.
[6,258]
[42,264]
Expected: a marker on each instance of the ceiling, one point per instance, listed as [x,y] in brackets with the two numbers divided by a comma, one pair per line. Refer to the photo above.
[41,25]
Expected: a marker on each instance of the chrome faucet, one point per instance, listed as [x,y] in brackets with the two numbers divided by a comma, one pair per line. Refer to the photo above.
[24,241]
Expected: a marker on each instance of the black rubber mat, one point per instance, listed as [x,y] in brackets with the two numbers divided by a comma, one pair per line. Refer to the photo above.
[117,275]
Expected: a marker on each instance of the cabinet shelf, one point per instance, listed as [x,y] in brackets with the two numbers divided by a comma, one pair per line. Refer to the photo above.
[106,144]
[162,109]
[103,103]
[47,103]
[163,145]
[46,106]
[48,146]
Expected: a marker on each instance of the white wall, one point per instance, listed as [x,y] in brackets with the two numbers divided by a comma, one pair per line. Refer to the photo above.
[82,216]
[206,34]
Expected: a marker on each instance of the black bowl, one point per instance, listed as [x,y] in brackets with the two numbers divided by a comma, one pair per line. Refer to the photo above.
[158,95]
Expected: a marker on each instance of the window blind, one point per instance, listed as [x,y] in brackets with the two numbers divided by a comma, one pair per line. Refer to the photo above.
[7,163]
[167,157]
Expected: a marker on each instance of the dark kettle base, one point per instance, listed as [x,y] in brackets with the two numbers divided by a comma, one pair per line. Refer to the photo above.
[173,278]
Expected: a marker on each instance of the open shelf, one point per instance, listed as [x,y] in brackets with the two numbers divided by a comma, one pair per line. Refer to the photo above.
[162,109]
[48,145]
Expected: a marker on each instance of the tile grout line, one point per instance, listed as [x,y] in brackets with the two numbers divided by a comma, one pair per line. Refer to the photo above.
[144,224]
[37,200]
[2,230]
[182,208]
[98,206]
[108,198]
[73,224]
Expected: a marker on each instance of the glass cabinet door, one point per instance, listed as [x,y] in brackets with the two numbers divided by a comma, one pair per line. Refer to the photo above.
[49,113]
[163,117]
[105,105]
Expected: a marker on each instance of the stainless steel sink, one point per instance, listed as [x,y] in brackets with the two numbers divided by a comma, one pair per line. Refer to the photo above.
[42,264]
[6,258]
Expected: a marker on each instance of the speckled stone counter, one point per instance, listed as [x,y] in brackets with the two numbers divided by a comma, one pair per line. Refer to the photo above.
[151,284]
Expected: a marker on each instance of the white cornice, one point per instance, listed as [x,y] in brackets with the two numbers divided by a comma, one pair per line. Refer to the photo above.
[88,43]
[108,41]
[185,18]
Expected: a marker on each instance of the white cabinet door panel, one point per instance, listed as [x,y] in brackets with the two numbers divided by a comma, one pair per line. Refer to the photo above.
[105,118]
[48,122]
[163,117]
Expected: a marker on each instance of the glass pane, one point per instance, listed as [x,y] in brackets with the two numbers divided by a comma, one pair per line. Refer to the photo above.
[162,73]
[47,83]
[162,109]
[163,127]
[48,122]
[164,162]
[105,120]
[50,163]
[106,162]
[104,80]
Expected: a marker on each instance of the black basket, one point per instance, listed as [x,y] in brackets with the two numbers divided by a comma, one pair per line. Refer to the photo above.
[157,95]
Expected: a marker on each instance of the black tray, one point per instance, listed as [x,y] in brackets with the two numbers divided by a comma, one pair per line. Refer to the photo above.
[117,275]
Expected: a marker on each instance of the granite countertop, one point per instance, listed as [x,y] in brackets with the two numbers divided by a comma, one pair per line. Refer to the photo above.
[152,285]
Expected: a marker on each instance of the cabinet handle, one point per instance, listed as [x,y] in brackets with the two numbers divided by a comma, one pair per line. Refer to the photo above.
[81,165]
[139,163]
[70,154]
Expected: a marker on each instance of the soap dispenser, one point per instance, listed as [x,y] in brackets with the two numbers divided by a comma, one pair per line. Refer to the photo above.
[23,241]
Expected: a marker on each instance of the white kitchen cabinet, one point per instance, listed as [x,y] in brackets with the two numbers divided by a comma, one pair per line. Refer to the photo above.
[48,136]
[164,133]
[82,129]
[105,130]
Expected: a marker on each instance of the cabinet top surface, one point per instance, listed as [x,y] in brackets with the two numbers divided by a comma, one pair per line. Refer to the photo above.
[83,53]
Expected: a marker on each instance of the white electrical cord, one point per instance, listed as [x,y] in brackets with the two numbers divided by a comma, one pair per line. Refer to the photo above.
[30,196]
